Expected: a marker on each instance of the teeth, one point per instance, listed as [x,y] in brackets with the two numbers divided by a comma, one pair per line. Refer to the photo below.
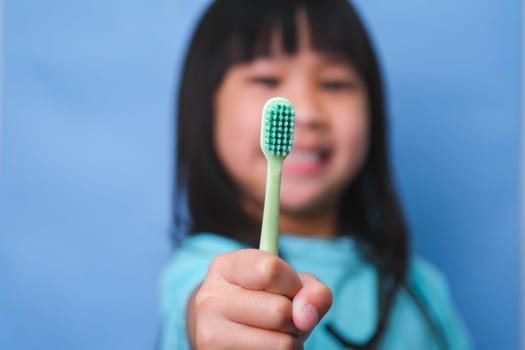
[304,156]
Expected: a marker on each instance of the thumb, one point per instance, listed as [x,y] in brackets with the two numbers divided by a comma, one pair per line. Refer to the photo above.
[310,304]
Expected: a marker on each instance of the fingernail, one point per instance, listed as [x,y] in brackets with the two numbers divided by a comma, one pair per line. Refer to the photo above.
[309,317]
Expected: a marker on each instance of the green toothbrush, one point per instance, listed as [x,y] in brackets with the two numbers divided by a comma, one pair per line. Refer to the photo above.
[277,129]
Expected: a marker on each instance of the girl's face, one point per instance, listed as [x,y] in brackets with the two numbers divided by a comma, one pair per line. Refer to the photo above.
[331,127]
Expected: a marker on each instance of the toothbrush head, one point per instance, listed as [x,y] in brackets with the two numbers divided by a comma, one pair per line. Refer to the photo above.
[277,127]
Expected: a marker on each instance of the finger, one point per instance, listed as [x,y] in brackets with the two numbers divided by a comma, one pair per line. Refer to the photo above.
[260,309]
[258,270]
[311,303]
[242,337]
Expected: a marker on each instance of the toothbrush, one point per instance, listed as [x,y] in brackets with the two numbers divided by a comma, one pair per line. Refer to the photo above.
[277,130]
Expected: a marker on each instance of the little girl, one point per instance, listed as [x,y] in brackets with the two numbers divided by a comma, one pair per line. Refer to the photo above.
[344,278]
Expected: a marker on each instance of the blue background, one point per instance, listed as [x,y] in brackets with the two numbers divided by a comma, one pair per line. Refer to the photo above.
[86,159]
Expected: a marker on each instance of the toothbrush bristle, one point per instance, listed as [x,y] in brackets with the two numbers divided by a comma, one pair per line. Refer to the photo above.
[279,119]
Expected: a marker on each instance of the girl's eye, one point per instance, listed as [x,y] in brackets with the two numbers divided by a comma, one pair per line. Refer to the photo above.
[266,81]
[338,85]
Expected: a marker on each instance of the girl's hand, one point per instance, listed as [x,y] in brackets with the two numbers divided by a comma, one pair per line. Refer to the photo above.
[254,300]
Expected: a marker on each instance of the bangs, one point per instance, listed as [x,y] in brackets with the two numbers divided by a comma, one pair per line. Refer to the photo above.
[253,27]
[253,32]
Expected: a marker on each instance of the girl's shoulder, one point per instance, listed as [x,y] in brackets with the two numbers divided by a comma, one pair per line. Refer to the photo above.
[206,243]
[430,286]
[426,277]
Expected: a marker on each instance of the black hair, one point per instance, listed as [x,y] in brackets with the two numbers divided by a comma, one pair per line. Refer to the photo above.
[235,31]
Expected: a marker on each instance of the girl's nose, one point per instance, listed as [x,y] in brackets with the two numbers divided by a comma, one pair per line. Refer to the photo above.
[309,112]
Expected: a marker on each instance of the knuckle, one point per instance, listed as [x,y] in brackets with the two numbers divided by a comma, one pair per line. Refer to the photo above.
[283,312]
[288,342]
[269,269]
[205,338]
[205,302]
[308,276]
[321,289]
[318,288]
[217,263]
[325,293]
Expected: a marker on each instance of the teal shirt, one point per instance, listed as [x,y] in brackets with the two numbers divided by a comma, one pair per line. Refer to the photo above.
[353,281]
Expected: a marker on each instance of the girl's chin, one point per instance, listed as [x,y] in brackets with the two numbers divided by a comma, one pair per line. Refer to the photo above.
[309,198]
[305,206]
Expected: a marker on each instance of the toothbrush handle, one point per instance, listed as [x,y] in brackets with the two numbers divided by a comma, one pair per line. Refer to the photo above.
[270,222]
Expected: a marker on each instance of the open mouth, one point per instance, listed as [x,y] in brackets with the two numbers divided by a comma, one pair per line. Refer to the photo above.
[306,162]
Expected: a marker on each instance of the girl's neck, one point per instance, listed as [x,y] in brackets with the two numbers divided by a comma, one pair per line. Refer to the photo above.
[321,225]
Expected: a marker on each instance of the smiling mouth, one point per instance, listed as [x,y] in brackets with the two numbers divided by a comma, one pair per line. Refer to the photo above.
[306,162]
